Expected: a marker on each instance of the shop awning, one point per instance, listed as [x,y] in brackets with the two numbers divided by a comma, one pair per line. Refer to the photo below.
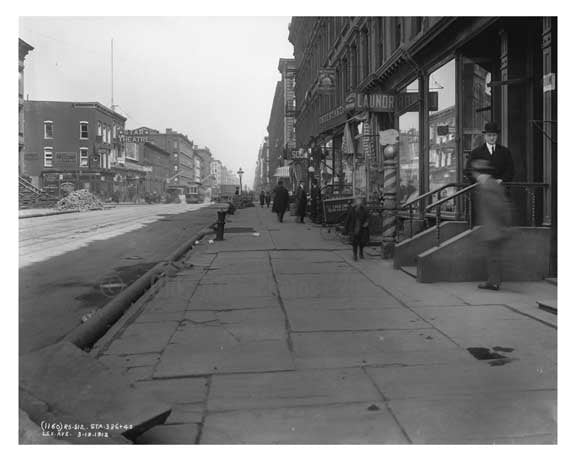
[282,172]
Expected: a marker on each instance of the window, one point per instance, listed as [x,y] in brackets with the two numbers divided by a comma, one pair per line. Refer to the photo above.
[442,123]
[108,137]
[380,39]
[83,157]
[365,54]
[83,130]
[48,157]
[409,127]
[397,32]
[48,130]
[114,131]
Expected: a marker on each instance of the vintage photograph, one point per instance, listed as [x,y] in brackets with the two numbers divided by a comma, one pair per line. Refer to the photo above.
[264,230]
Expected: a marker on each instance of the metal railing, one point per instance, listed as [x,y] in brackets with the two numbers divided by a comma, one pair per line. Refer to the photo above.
[410,205]
[529,187]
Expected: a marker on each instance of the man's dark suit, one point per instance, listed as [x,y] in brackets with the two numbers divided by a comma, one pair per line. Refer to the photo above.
[501,161]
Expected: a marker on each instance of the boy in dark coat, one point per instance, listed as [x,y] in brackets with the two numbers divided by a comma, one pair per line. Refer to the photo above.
[301,200]
[281,200]
[356,227]
[492,212]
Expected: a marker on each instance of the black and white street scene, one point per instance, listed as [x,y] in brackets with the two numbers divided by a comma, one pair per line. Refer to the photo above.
[336,230]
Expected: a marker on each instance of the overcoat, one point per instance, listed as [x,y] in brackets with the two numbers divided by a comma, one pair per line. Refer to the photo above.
[281,199]
[492,210]
[301,202]
[501,161]
[356,224]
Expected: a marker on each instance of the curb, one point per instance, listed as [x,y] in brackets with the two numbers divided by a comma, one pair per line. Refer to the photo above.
[41,215]
[86,334]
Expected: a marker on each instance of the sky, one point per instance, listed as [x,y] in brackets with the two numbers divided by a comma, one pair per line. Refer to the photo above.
[212,78]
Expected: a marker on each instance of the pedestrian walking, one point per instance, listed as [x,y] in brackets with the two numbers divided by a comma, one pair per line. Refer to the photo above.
[492,212]
[262,198]
[268,198]
[356,226]
[301,202]
[281,200]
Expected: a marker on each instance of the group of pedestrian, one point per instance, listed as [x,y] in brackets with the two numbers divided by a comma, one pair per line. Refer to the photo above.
[265,198]
[489,166]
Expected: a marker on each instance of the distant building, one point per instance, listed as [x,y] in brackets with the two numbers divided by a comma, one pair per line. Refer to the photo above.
[185,171]
[216,172]
[154,163]
[23,49]
[205,162]
[281,127]
[71,145]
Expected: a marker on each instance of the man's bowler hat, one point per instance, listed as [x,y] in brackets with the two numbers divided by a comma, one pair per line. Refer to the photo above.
[481,166]
[491,127]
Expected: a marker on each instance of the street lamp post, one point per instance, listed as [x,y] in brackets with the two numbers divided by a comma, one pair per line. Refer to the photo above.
[240,173]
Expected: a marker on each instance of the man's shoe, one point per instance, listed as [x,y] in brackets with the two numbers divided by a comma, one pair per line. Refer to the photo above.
[488,286]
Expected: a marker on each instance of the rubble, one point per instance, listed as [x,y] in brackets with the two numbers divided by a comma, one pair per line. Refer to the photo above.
[81,200]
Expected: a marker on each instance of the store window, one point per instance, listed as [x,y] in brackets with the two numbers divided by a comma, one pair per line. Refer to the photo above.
[442,128]
[477,101]
[409,149]
[84,157]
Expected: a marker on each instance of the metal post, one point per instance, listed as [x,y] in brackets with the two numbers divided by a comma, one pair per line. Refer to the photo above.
[438,212]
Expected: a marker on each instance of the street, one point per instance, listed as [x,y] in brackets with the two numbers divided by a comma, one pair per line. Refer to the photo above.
[64,259]
[275,335]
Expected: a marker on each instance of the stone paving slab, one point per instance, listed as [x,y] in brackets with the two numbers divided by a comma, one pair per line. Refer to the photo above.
[326,319]
[182,390]
[346,349]
[237,326]
[129,361]
[165,306]
[72,383]
[489,327]
[229,301]
[482,419]
[290,389]
[140,338]
[305,256]
[318,286]
[236,289]
[239,268]
[209,358]
[186,413]
[181,434]
[383,301]
[283,267]
[160,316]
[337,424]
[240,257]
[398,383]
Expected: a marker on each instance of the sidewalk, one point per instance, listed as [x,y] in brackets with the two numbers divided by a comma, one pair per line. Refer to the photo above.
[276,336]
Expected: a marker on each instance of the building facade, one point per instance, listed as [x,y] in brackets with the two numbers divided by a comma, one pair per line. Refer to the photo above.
[72,145]
[436,81]
[23,49]
[204,157]
[185,172]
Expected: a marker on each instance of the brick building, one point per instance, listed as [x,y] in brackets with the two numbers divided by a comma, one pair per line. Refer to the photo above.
[72,145]
[413,74]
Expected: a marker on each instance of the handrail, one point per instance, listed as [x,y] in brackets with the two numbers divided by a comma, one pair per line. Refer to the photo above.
[472,186]
[451,197]
[428,194]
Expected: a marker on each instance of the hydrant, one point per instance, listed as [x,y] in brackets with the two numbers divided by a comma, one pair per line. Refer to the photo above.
[220,224]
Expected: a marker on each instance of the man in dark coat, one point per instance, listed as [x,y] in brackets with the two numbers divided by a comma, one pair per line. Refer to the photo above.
[281,200]
[301,202]
[492,212]
[498,156]
[356,226]
[262,198]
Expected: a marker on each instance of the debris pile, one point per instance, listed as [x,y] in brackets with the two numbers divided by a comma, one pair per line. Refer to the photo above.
[81,200]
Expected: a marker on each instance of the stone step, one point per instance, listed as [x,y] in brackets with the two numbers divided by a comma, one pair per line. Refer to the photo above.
[412,271]
[548,305]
